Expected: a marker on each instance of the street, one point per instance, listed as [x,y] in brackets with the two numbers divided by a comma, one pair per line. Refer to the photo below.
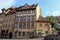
[24,39]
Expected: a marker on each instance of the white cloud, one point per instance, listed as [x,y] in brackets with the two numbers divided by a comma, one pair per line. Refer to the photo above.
[52,13]
[6,3]
[55,13]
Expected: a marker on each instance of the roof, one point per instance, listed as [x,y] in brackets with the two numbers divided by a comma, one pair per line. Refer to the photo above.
[26,6]
[16,9]
[42,19]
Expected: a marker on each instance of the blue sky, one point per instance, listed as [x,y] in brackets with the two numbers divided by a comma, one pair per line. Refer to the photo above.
[48,7]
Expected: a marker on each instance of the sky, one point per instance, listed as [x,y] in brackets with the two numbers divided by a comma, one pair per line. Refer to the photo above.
[48,7]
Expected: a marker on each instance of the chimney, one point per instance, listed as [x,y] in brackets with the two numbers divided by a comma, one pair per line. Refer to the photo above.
[3,10]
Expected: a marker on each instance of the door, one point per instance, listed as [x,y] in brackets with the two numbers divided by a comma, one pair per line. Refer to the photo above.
[10,35]
[39,34]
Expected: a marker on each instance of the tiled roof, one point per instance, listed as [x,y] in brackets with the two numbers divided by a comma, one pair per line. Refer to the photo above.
[42,19]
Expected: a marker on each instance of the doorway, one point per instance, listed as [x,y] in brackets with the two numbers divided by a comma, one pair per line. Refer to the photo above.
[10,35]
[39,34]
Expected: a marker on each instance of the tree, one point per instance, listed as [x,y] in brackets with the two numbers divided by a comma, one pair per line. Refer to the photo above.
[52,20]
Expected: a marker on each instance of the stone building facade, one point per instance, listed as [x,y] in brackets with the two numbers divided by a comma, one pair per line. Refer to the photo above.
[19,22]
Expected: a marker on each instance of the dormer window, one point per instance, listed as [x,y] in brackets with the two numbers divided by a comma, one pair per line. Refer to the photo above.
[25,6]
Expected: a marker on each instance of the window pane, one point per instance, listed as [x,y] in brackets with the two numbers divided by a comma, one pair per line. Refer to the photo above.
[46,32]
[15,34]
[16,25]
[28,18]
[33,18]
[19,33]
[25,12]
[29,12]
[40,25]
[32,24]
[24,18]
[18,13]
[23,33]
[21,18]
[17,18]
[28,25]
[20,25]
[33,11]
[24,25]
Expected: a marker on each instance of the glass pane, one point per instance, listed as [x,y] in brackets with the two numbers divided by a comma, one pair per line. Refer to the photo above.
[17,18]
[16,25]
[29,12]
[24,18]
[33,11]
[20,25]
[28,25]
[21,18]
[23,33]
[19,33]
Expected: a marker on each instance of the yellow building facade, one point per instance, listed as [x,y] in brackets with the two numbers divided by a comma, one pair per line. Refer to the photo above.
[43,28]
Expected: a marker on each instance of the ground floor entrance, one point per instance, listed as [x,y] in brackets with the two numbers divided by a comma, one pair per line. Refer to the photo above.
[23,34]
[39,34]
[5,34]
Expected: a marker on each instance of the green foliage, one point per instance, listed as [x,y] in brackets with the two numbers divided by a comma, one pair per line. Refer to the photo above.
[52,20]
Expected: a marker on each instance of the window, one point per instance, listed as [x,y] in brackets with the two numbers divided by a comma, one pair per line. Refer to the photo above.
[46,25]
[24,25]
[23,33]
[19,13]
[40,25]
[21,18]
[17,18]
[6,26]
[28,25]
[24,18]
[20,25]
[16,25]
[19,33]
[25,12]
[28,34]
[12,24]
[32,24]
[15,34]
[33,11]
[28,18]
[14,19]
[46,32]
[29,12]
[33,18]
